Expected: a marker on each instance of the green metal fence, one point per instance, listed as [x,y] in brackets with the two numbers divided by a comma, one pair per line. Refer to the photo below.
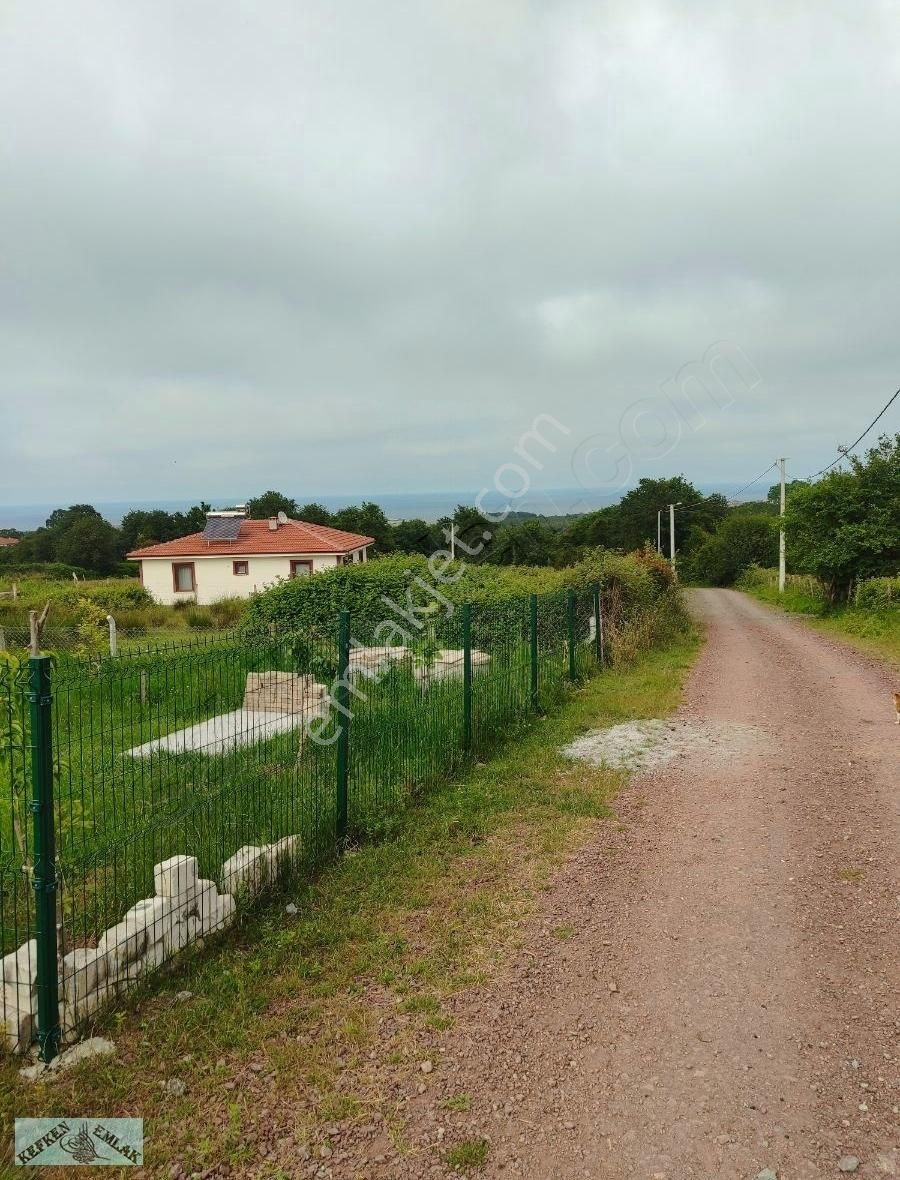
[150,794]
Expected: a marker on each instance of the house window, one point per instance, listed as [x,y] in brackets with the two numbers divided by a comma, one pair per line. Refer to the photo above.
[183,580]
[301,569]
[240,569]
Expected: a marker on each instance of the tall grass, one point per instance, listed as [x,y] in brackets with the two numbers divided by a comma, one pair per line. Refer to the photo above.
[869,621]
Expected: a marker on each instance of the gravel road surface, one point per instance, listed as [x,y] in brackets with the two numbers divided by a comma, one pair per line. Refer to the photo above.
[711,989]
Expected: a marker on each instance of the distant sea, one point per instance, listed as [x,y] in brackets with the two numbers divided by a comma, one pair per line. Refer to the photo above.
[428,506]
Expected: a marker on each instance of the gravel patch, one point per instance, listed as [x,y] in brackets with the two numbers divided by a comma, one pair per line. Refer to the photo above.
[646,745]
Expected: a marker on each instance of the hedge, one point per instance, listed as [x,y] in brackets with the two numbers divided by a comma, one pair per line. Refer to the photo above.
[310,606]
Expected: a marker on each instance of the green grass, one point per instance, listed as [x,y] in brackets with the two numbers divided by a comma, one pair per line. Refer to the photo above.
[469,1156]
[119,815]
[873,631]
[346,997]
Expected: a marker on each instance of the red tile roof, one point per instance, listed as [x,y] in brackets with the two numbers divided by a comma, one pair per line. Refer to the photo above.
[295,537]
[5,542]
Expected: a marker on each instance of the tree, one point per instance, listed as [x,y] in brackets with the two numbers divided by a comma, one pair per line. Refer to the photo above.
[146,528]
[474,533]
[315,514]
[529,543]
[89,542]
[847,526]
[62,518]
[774,494]
[369,520]
[740,541]
[269,504]
[150,526]
[418,536]
[754,508]
[192,521]
[76,536]
[595,529]
[631,523]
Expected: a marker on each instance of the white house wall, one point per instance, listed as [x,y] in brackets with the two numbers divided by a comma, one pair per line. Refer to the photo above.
[215,579]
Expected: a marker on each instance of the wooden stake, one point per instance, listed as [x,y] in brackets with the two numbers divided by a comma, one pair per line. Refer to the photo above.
[36,623]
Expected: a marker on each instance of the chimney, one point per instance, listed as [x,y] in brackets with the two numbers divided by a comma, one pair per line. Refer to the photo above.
[273,523]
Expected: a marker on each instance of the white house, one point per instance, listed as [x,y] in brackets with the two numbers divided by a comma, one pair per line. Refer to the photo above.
[234,556]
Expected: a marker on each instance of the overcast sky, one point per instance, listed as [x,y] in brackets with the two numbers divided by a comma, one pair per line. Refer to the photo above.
[358,247]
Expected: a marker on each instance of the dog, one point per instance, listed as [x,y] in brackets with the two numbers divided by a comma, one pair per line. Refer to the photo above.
[897,705]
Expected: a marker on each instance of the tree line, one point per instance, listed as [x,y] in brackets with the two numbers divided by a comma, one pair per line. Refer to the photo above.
[843,527]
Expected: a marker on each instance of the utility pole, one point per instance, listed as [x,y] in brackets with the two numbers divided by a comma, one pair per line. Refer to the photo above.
[452,541]
[672,536]
[659,531]
[782,560]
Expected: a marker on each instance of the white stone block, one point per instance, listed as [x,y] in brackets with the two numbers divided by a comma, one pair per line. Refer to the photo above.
[285,852]
[17,999]
[73,1012]
[187,915]
[125,942]
[156,955]
[16,1030]
[204,900]
[220,915]
[152,913]
[183,929]
[247,870]
[133,972]
[176,876]
[83,971]
[20,967]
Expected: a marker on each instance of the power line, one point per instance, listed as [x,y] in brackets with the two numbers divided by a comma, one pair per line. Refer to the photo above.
[845,451]
[735,495]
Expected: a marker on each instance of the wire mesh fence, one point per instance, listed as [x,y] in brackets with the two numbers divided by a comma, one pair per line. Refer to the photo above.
[151,795]
[95,642]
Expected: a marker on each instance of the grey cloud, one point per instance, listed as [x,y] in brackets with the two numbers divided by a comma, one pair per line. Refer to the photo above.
[359,247]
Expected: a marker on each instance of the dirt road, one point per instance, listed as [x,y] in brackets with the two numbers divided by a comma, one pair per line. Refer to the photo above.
[713,988]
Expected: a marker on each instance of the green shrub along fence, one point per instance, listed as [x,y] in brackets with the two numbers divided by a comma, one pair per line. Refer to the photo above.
[149,795]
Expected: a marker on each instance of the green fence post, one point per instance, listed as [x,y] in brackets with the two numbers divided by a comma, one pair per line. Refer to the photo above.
[533,634]
[467,676]
[570,611]
[342,701]
[44,876]
[598,624]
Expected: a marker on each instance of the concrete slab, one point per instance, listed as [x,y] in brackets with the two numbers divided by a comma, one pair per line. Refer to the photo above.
[228,731]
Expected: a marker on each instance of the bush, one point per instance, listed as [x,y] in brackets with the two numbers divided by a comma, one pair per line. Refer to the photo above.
[199,618]
[116,596]
[741,540]
[65,596]
[51,570]
[227,611]
[310,607]
[134,621]
[877,593]
[846,526]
